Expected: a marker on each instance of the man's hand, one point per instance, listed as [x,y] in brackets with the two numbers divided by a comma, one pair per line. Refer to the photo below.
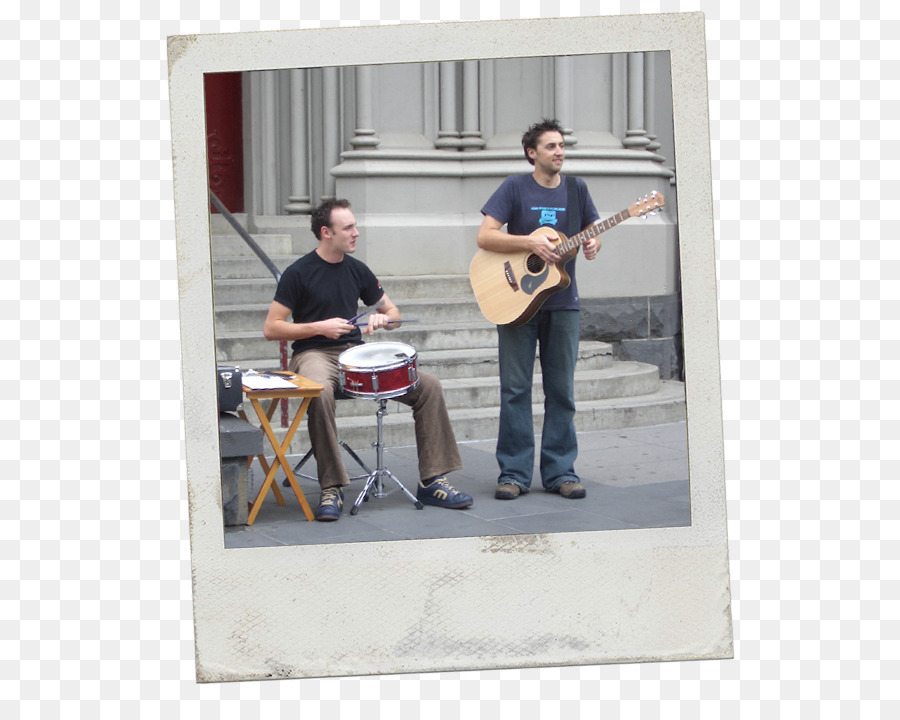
[333,328]
[590,248]
[543,246]
[377,321]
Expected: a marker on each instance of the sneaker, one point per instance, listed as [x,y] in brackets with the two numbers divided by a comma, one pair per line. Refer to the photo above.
[507,491]
[440,493]
[572,490]
[330,504]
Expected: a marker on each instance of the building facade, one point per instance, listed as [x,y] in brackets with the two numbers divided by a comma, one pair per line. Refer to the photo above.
[418,148]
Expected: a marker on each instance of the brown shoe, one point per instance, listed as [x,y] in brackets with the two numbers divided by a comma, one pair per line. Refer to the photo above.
[572,490]
[507,491]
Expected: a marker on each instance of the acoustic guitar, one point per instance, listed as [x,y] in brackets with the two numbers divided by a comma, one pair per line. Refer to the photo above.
[511,287]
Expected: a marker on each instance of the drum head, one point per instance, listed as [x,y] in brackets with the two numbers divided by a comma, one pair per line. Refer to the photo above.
[377,355]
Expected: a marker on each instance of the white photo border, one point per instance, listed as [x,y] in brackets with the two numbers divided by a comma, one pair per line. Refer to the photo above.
[462,603]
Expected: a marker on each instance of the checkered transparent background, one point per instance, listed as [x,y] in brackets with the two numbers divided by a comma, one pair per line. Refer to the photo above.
[96,599]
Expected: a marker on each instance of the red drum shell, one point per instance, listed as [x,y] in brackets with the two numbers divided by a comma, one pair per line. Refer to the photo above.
[378,370]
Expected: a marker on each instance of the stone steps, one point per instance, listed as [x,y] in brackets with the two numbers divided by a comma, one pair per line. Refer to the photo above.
[239,280]
[616,380]
[242,347]
[428,312]
[248,268]
[481,362]
[232,245]
[243,291]
[663,405]
[472,362]
[454,343]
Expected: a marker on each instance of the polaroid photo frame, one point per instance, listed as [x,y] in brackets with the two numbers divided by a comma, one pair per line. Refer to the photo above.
[462,603]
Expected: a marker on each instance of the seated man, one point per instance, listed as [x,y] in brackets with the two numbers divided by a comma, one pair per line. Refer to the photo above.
[322,291]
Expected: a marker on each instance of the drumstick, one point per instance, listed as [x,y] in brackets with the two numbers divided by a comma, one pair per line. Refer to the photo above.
[390,322]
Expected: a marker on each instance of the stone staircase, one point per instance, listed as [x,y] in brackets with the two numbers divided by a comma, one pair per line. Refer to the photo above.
[454,342]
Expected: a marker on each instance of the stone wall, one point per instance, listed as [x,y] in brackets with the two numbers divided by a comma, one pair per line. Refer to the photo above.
[646,329]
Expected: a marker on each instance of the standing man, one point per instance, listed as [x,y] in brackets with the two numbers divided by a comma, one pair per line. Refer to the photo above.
[322,290]
[525,203]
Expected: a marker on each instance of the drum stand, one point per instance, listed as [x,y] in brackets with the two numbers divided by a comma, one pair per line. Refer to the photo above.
[376,477]
[309,453]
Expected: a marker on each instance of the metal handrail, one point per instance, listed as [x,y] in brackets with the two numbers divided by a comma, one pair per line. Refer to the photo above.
[261,254]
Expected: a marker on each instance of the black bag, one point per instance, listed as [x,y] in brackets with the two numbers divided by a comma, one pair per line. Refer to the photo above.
[229,387]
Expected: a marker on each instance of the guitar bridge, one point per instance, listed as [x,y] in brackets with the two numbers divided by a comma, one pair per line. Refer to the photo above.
[510,277]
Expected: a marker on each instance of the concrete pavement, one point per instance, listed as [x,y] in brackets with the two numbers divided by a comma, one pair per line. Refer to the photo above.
[635,478]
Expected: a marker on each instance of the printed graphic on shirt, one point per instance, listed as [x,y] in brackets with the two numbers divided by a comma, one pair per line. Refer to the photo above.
[549,214]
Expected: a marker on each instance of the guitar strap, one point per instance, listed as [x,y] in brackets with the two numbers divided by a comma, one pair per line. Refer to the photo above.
[574,216]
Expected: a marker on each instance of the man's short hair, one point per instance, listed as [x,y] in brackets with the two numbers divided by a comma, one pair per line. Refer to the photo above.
[533,134]
[321,216]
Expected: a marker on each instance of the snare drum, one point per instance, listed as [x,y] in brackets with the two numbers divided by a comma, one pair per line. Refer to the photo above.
[378,370]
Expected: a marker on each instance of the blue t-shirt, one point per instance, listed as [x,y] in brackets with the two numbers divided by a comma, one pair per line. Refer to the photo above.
[317,290]
[523,206]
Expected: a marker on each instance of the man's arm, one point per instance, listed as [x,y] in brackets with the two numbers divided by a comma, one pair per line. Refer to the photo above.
[490,237]
[278,327]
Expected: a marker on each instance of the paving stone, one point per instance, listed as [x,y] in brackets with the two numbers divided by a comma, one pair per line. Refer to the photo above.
[646,487]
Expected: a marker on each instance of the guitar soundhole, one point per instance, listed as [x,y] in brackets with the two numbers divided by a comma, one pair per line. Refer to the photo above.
[534,264]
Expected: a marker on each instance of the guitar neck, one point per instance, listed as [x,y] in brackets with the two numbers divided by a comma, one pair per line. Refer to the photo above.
[591,231]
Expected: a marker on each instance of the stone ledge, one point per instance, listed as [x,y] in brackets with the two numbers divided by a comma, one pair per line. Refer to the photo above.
[662,352]
[238,440]
[645,329]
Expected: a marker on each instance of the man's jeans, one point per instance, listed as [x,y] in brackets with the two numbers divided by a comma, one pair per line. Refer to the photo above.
[556,333]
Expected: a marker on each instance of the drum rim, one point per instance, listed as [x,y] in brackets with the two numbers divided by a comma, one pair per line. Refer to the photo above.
[388,366]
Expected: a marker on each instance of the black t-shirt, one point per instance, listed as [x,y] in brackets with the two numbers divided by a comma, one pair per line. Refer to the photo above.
[317,290]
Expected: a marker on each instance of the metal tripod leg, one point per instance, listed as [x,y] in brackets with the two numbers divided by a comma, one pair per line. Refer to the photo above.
[376,478]
[350,451]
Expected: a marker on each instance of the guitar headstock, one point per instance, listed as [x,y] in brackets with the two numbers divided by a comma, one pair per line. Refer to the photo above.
[648,205]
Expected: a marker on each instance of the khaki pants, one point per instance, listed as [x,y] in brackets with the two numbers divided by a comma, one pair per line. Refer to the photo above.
[435,441]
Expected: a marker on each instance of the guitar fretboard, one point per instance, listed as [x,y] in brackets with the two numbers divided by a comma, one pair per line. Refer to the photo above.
[591,231]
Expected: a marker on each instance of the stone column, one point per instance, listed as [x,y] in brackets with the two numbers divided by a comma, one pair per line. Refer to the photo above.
[486,112]
[331,129]
[269,142]
[650,103]
[636,134]
[365,138]
[299,200]
[471,132]
[618,100]
[448,133]
[562,90]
